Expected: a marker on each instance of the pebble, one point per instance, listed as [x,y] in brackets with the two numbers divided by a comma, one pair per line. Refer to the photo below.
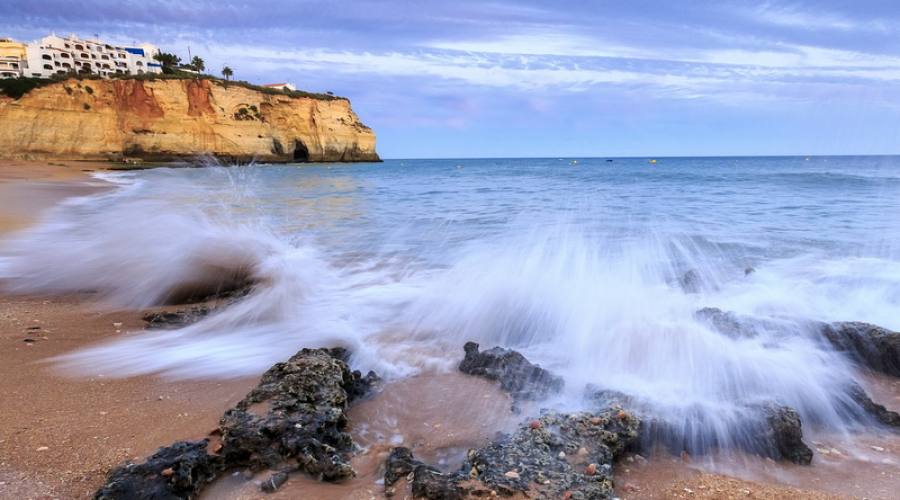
[591,469]
[535,424]
[562,455]
[877,448]
[582,451]
[630,488]
[167,472]
[43,448]
[689,491]
[117,325]
[596,420]
[512,474]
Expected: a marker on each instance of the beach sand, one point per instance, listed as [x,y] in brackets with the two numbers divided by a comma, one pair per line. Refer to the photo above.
[60,435]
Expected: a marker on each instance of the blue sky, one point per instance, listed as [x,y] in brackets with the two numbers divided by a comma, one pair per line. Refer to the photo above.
[539,78]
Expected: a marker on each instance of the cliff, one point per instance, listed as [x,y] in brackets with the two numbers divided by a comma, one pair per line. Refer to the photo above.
[174,119]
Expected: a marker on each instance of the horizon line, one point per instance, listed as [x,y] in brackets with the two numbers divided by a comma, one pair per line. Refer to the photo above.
[638,157]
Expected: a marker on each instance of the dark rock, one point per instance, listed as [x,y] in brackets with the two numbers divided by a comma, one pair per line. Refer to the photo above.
[220,284]
[879,412]
[427,481]
[691,282]
[529,460]
[726,322]
[766,429]
[304,422]
[274,482]
[749,270]
[783,434]
[518,376]
[870,345]
[293,420]
[175,319]
[178,471]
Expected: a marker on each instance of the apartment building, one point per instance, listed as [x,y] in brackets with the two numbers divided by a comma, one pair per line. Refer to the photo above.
[56,55]
[12,58]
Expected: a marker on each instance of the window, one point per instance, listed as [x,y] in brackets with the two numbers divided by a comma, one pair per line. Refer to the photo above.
[139,63]
[85,55]
[79,47]
[64,55]
[47,66]
[46,57]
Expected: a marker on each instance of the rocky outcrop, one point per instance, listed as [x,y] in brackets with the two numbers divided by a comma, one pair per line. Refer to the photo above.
[875,410]
[555,456]
[179,119]
[518,376]
[293,420]
[873,346]
[782,434]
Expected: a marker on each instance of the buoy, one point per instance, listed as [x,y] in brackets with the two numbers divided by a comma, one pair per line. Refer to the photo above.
[653,161]
[574,162]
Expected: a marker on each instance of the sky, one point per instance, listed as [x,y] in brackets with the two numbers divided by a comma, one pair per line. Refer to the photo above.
[469,78]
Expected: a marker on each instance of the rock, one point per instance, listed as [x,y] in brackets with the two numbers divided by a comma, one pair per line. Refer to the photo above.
[303,428]
[177,471]
[690,281]
[879,412]
[870,345]
[528,461]
[427,482]
[274,482]
[522,379]
[175,319]
[784,434]
[727,323]
[305,422]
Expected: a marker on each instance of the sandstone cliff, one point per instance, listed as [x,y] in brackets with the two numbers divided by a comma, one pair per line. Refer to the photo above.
[172,119]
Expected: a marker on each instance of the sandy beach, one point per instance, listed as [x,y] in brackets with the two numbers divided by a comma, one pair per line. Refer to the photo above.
[60,435]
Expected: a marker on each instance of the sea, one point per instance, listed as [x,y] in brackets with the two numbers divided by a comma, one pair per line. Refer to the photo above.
[594,268]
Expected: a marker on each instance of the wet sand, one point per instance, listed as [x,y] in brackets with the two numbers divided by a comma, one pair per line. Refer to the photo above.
[27,188]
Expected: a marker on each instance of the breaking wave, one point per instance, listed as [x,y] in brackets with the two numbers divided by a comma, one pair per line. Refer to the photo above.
[617,314]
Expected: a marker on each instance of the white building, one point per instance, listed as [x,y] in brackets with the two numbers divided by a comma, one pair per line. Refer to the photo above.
[281,86]
[55,55]
[12,58]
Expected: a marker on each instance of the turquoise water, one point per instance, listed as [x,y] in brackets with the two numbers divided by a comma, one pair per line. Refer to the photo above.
[580,265]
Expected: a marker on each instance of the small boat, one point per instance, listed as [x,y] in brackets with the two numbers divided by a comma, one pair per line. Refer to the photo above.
[653,162]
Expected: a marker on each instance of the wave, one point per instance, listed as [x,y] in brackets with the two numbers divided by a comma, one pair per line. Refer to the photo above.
[616,314]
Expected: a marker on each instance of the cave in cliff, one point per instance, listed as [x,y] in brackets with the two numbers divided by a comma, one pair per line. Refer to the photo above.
[301,153]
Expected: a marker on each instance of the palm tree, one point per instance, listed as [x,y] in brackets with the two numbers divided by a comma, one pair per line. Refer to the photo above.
[198,64]
[227,73]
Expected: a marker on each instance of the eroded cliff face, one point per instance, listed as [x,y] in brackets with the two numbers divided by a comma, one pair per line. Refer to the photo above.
[172,119]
